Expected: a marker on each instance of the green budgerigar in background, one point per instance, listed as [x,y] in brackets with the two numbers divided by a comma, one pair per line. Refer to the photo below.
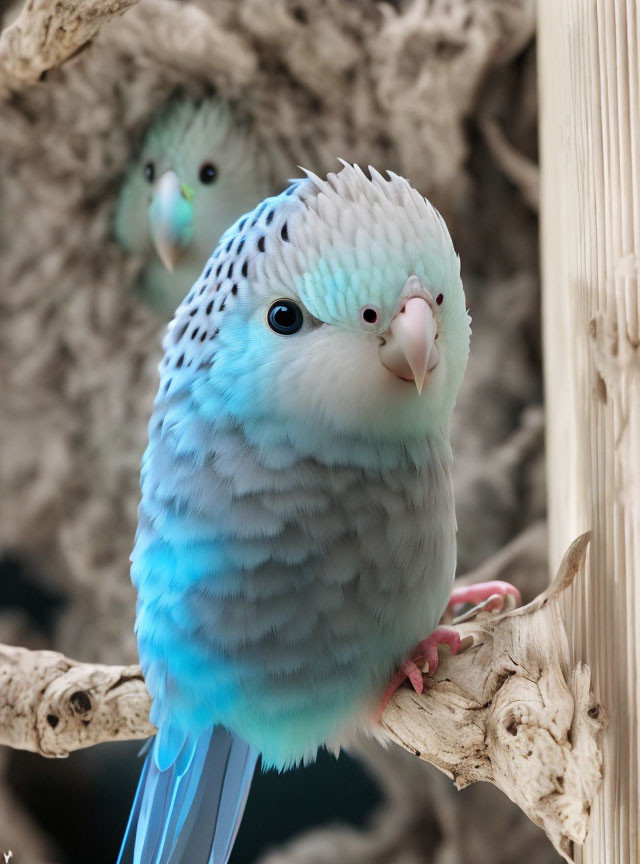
[198,170]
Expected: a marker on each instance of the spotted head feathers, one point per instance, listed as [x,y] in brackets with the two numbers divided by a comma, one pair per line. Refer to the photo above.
[367,262]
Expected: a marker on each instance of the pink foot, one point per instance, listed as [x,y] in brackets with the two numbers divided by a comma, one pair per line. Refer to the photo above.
[495,596]
[426,655]
[428,648]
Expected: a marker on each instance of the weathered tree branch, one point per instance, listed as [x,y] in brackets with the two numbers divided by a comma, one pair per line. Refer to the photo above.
[511,711]
[51,705]
[46,34]
[508,710]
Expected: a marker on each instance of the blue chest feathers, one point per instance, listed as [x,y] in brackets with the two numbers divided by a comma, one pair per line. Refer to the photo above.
[278,593]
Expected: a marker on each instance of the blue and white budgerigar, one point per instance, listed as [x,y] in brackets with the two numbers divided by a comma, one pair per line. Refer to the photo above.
[297,533]
[199,169]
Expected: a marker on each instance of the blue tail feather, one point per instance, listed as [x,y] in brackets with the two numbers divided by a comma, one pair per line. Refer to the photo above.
[190,812]
[128,844]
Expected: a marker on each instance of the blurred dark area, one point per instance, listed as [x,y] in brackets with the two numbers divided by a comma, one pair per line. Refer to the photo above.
[22,592]
[83,802]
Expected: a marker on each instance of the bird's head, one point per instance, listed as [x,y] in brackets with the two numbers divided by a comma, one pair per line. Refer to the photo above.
[197,171]
[336,304]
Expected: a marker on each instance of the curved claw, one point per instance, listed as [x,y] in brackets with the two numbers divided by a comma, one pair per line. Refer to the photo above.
[424,661]
[428,648]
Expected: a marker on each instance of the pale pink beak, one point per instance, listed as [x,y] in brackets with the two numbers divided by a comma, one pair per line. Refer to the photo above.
[409,347]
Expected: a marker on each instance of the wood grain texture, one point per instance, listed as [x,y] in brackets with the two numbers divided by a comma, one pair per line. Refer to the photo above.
[590,148]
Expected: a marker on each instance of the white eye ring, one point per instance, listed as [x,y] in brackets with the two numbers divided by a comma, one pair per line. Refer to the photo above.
[369,315]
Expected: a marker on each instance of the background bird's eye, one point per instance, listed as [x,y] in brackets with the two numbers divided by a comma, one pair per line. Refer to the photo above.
[369,315]
[150,171]
[439,299]
[285,317]
[208,172]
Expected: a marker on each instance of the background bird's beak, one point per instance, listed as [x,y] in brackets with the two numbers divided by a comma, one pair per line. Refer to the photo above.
[171,218]
[408,348]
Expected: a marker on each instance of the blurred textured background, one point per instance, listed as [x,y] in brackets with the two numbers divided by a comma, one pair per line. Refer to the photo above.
[442,91]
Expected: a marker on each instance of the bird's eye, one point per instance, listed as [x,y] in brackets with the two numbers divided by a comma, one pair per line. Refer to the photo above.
[439,299]
[208,172]
[150,171]
[369,315]
[285,317]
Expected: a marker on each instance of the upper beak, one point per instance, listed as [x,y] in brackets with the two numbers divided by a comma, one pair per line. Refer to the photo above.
[409,348]
[171,218]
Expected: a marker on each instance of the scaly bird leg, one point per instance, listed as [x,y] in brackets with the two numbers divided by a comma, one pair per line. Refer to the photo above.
[486,597]
[424,661]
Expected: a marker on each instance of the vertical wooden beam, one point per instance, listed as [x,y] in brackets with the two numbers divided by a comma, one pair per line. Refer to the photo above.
[590,157]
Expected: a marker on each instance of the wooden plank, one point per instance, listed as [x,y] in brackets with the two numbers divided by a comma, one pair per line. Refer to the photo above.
[590,221]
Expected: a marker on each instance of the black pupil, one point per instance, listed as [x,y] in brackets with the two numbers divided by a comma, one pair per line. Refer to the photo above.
[285,317]
[149,171]
[370,316]
[208,173]
[439,299]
